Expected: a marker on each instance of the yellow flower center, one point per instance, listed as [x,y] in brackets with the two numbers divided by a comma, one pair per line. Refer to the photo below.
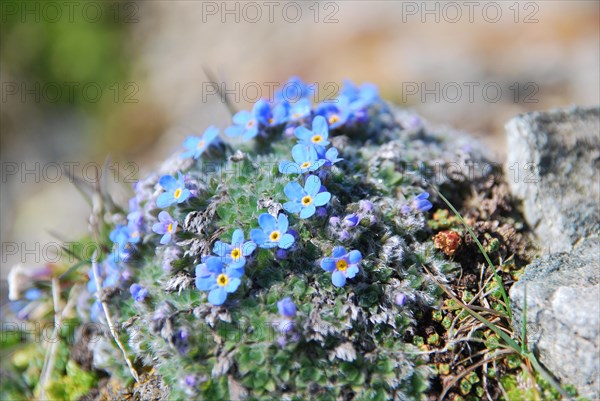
[177,193]
[274,236]
[296,115]
[307,200]
[341,265]
[222,280]
[305,165]
[334,119]
[236,253]
[271,120]
[170,228]
[200,144]
[250,124]
[316,139]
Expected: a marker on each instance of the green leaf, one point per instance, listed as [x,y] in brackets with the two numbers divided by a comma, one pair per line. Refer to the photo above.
[257,355]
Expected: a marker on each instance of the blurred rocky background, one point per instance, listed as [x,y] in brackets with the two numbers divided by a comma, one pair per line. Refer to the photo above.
[85,79]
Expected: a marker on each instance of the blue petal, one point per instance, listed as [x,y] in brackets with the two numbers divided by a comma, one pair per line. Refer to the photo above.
[214,264]
[221,248]
[312,185]
[324,108]
[159,228]
[349,90]
[286,307]
[332,155]
[234,272]
[320,127]
[354,257]
[202,271]
[91,286]
[268,244]
[294,191]
[217,296]
[238,264]
[191,142]
[251,132]
[338,278]
[95,311]
[258,236]
[282,223]
[351,271]
[303,133]
[286,241]
[165,199]
[205,283]
[321,198]
[301,153]
[141,295]
[237,239]
[33,294]
[322,143]
[288,167]
[167,182]
[328,264]
[300,109]
[307,212]
[210,134]
[233,284]
[422,205]
[312,153]
[248,247]
[234,131]
[117,235]
[185,194]
[338,252]
[292,206]
[267,222]
[369,90]
[165,217]
[165,239]
[262,110]
[242,117]
[280,113]
[317,165]
[112,279]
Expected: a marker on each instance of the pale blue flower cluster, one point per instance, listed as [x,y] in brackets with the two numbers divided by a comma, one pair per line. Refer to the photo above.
[291,111]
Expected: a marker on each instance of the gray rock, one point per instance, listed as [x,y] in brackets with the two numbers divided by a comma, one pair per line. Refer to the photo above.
[563,298]
[553,165]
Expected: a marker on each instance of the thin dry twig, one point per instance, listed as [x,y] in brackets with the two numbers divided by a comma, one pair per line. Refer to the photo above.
[111,326]
[94,222]
[50,357]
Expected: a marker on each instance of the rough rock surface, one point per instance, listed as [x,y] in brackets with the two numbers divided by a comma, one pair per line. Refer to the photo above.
[563,297]
[553,165]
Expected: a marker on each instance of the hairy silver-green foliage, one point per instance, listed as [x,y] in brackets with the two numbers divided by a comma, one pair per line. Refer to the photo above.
[346,343]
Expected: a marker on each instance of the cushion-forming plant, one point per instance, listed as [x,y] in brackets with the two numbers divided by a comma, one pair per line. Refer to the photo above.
[281,260]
